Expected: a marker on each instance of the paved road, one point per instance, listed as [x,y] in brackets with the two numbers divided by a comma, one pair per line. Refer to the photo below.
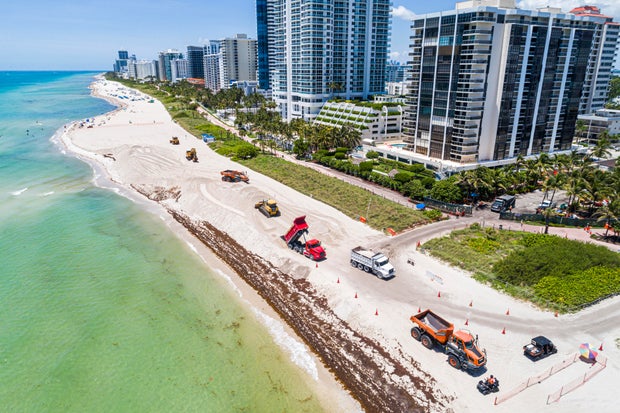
[485,217]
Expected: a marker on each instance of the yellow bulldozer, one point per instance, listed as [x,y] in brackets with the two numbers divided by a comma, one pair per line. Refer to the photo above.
[190,155]
[174,140]
[268,208]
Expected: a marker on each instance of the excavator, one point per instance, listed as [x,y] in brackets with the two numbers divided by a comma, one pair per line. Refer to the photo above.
[268,208]
[174,140]
[190,155]
[234,176]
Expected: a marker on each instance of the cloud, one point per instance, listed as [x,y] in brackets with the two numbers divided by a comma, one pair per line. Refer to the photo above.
[608,7]
[402,12]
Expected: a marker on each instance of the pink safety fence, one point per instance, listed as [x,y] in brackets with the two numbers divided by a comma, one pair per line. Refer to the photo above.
[597,367]
[537,379]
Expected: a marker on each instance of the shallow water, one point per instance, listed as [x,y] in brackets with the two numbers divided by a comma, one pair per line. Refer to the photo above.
[102,307]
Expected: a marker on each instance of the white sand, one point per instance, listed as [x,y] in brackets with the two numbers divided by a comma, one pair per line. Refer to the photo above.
[137,137]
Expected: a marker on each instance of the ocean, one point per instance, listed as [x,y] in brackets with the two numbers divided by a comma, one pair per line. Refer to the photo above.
[102,307]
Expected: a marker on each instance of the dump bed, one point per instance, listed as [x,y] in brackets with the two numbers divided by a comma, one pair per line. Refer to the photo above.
[298,228]
[433,325]
[363,255]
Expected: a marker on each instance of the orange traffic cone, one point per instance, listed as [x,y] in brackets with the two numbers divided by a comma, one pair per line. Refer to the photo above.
[317,265]
[377,311]
[504,330]
[467,322]
[438,294]
[471,303]
[556,314]
[338,282]
[419,310]
[356,294]
[600,348]
[508,312]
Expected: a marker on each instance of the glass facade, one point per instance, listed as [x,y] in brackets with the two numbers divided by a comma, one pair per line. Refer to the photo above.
[490,84]
[324,48]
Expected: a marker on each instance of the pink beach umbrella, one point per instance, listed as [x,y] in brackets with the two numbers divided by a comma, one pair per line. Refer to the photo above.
[587,352]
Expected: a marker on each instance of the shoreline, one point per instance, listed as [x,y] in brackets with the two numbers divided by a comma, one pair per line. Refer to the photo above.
[354,369]
[143,157]
[323,381]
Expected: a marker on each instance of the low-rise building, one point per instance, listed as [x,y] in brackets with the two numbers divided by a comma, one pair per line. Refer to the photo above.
[594,124]
[377,122]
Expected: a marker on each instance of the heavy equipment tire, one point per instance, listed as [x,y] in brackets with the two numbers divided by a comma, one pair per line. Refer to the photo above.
[353,264]
[366,269]
[454,361]
[427,341]
[416,333]
[360,266]
[223,178]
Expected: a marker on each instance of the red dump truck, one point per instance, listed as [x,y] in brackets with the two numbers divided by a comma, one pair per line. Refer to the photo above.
[311,248]
[460,346]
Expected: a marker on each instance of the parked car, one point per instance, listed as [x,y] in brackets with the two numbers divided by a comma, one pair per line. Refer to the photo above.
[540,347]
[547,203]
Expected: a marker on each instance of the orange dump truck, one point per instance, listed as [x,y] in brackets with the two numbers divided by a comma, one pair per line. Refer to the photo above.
[460,346]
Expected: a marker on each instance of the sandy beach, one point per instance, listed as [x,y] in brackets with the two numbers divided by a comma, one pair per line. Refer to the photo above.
[355,327]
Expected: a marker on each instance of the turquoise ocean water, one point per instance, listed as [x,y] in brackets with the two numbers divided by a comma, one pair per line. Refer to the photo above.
[102,308]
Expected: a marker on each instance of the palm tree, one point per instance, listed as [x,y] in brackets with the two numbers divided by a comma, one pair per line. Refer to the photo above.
[334,86]
[548,213]
[608,213]
[580,128]
[602,149]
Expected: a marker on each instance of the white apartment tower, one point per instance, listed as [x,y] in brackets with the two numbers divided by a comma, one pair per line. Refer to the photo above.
[179,69]
[323,48]
[239,60]
[601,62]
[490,82]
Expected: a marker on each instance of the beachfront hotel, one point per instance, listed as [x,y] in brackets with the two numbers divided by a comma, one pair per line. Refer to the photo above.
[313,50]
[490,82]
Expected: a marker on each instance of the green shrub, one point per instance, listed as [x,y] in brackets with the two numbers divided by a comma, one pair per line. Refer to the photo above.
[580,288]
[433,214]
[372,155]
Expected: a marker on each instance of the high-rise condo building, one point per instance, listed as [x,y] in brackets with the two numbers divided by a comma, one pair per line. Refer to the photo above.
[179,69]
[142,69]
[490,82]
[211,65]
[323,48]
[239,60]
[120,64]
[165,57]
[601,62]
[264,20]
[195,61]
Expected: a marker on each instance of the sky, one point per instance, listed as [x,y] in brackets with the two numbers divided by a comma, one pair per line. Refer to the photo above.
[86,34]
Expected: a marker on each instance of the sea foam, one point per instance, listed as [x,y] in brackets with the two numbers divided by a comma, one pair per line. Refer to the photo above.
[297,350]
[18,193]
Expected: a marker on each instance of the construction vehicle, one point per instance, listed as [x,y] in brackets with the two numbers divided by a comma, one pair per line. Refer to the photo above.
[268,207]
[234,176]
[503,203]
[191,155]
[374,262]
[460,346]
[174,140]
[311,248]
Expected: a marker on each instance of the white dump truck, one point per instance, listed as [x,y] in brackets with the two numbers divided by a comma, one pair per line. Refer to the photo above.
[374,262]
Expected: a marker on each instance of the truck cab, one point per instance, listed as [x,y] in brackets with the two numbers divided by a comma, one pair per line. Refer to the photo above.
[314,250]
[463,351]
[503,203]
